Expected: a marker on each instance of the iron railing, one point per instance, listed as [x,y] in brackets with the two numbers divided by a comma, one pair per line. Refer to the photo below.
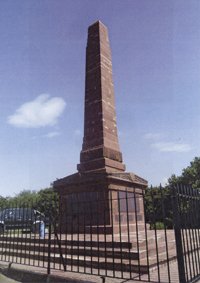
[147,235]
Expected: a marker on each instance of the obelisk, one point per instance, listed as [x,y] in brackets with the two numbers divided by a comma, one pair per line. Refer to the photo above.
[101,174]
[100,150]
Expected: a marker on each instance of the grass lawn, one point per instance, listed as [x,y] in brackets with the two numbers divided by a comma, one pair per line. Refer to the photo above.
[4,279]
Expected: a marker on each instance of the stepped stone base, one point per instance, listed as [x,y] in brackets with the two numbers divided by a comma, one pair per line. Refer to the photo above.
[96,200]
[134,253]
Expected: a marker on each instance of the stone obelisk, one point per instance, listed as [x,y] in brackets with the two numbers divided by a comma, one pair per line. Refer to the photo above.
[101,172]
[100,151]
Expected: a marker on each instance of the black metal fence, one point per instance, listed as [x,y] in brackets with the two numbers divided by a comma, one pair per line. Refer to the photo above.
[187,233]
[150,235]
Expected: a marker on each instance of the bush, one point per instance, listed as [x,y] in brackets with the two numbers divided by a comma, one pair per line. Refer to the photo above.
[157,226]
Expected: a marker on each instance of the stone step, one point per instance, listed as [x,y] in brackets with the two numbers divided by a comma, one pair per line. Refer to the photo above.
[78,251]
[123,265]
[68,242]
[135,249]
[106,229]
[112,252]
[152,250]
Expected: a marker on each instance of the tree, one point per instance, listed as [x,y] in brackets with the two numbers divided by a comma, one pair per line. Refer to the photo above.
[190,175]
[158,207]
[44,200]
[2,201]
[25,197]
[47,201]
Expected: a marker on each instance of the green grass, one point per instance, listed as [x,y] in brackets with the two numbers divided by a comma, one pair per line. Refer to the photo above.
[4,279]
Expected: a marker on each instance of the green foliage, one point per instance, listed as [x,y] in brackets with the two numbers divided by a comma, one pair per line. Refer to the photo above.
[25,197]
[45,200]
[48,203]
[158,207]
[157,226]
[190,175]
[158,201]
[2,201]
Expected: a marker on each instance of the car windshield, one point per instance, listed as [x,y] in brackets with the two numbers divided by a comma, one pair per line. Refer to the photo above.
[16,213]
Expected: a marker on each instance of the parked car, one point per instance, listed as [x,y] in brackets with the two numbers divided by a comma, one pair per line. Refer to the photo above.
[21,218]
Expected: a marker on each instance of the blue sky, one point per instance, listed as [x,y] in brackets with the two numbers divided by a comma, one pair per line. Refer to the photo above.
[156,71]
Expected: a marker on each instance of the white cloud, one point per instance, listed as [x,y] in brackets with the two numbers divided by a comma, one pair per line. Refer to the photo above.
[40,112]
[49,135]
[52,135]
[172,147]
[153,136]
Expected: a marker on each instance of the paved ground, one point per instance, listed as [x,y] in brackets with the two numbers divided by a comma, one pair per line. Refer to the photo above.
[30,274]
[22,272]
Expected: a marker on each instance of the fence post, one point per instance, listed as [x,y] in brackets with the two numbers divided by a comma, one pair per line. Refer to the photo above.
[49,248]
[178,238]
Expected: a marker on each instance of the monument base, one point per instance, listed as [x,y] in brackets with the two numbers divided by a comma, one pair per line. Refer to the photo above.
[101,202]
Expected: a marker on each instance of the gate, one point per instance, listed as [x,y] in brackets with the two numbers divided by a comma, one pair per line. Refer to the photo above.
[186,204]
[148,236]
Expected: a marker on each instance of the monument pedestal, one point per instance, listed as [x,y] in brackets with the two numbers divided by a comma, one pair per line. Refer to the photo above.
[101,202]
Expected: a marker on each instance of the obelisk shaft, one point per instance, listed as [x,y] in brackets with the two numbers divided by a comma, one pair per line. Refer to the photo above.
[100,150]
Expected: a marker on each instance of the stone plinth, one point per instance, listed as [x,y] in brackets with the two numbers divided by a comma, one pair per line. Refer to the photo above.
[101,201]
